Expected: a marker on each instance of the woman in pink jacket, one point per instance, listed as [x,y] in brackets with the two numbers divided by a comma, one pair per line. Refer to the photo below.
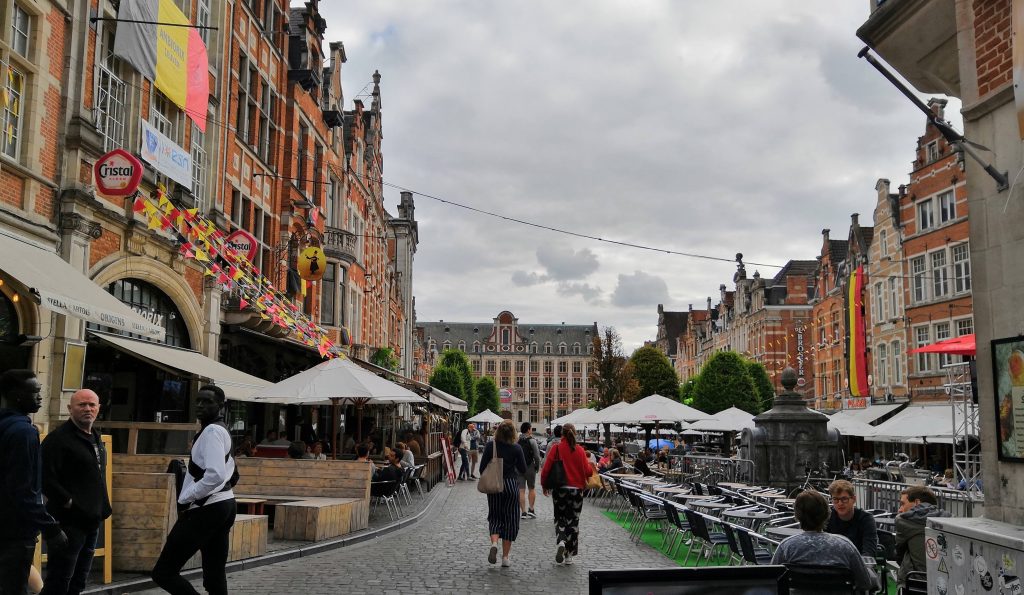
[567,500]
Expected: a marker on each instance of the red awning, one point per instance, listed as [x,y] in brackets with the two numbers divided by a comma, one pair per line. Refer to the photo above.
[963,345]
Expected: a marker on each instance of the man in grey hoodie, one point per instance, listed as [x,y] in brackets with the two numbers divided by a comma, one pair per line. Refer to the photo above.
[917,504]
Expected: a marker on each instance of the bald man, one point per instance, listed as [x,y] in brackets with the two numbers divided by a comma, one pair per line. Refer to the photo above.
[74,472]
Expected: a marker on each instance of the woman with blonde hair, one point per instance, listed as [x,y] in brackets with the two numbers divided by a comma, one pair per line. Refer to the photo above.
[503,508]
[567,499]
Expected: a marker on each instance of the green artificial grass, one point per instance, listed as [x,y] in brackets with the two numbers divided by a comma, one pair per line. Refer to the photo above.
[652,537]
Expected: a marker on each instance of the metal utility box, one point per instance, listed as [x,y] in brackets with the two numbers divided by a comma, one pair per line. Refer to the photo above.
[974,555]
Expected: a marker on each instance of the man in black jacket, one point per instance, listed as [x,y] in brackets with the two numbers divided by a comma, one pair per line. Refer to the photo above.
[22,515]
[74,473]
[854,523]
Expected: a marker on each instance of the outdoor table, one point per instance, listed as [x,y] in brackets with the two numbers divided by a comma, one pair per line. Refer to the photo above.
[752,518]
[888,523]
[733,485]
[782,532]
[686,497]
[672,490]
[787,501]
[715,508]
[251,505]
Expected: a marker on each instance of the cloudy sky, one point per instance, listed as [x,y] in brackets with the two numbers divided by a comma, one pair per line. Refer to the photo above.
[699,127]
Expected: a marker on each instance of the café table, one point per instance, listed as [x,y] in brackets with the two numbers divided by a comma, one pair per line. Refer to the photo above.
[688,497]
[712,507]
[782,532]
[748,518]
[733,485]
[672,490]
[250,505]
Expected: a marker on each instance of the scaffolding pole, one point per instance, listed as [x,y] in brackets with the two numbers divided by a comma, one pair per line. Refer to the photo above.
[966,429]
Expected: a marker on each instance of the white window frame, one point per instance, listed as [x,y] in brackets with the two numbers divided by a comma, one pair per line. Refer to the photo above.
[919,274]
[942,331]
[897,364]
[203,20]
[199,168]
[946,203]
[925,215]
[894,296]
[164,115]
[961,267]
[922,337]
[964,326]
[883,243]
[21,30]
[883,365]
[932,151]
[13,112]
[940,273]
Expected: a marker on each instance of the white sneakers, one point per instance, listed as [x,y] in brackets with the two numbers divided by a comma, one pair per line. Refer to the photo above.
[560,554]
[505,562]
[492,556]
[568,560]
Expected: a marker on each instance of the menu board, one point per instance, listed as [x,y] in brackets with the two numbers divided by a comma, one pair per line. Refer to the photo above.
[1008,376]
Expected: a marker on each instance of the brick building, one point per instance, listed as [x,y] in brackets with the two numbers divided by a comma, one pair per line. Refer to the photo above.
[828,328]
[544,367]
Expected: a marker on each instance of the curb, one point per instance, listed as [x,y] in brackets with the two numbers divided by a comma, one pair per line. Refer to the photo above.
[140,584]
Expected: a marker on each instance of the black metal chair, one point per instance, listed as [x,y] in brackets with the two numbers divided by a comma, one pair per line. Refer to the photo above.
[680,530]
[709,540]
[752,553]
[385,491]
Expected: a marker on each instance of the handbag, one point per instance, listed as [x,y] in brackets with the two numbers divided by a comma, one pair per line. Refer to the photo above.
[556,474]
[594,481]
[492,480]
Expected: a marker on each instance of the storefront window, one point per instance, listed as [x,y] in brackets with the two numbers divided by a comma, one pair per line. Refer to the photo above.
[155,306]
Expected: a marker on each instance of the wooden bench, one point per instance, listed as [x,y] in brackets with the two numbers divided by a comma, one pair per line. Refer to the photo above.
[316,519]
[144,511]
[248,539]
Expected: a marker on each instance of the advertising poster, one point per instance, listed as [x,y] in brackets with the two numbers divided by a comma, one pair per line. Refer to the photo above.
[1008,377]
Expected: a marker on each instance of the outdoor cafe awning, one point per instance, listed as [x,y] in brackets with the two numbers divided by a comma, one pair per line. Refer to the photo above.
[62,289]
[446,401]
[236,384]
[933,423]
[856,422]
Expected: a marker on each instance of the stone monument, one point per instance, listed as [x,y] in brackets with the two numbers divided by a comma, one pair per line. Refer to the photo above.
[788,439]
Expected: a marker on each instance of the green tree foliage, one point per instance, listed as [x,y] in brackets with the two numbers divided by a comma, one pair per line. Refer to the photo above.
[654,372]
[765,390]
[450,381]
[686,391]
[453,358]
[724,382]
[611,374]
[487,395]
[385,357]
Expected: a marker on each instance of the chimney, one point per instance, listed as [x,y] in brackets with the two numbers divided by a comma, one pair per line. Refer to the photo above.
[854,219]
[938,107]
[824,233]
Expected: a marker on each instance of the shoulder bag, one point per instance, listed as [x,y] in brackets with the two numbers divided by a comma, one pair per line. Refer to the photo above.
[492,480]
[556,473]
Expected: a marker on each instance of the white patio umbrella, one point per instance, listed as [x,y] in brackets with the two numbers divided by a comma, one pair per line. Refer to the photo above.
[652,409]
[335,381]
[487,417]
[732,419]
[575,417]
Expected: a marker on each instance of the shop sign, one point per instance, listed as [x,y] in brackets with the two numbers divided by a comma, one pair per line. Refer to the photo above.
[166,156]
[117,173]
[243,242]
[312,262]
[856,403]
[506,395]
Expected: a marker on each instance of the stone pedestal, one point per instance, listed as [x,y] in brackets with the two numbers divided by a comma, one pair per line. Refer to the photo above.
[789,438]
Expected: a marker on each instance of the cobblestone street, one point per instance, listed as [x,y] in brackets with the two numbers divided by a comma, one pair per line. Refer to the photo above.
[446,552]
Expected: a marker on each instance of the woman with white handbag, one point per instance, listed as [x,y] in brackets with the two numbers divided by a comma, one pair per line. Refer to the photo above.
[500,466]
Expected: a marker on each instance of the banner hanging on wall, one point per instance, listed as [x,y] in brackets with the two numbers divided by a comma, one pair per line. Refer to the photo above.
[160,43]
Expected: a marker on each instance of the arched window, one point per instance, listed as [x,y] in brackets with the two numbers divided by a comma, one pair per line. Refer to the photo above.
[562,348]
[547,347]
[533,347]
[476,346]
[462,346]
[506,336]
[447,345]
[154,305]
[575,348]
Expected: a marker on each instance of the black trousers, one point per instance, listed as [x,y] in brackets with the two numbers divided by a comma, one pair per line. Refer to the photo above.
[68,571]
[204,529]
[15,559]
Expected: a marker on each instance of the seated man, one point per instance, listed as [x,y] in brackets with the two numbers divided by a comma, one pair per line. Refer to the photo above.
[815,548]
[393,471]
[849,521]
[640,464]
[917,504]
[297,450]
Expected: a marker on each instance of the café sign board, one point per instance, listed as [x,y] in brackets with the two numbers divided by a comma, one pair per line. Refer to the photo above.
[118,173]
[243,242]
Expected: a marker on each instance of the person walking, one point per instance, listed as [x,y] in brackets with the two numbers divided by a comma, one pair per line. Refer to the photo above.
[568,499]
[22,514]
[503,507]
[528,481]
[74,483]
[463,445]
[205,525]
[475,444]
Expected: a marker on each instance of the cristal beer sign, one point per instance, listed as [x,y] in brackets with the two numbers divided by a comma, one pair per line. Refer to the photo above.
[117,173]
[243,242]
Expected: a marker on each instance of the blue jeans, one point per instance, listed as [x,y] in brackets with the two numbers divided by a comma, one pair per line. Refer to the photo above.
[464,469]
[68,571]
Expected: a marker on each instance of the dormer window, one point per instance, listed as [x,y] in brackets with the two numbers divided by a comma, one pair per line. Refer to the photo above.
[932,151]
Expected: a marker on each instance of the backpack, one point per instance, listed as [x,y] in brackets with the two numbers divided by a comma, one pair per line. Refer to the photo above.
[524,443]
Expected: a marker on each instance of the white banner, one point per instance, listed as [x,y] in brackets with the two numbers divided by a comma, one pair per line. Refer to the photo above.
[166,156]
[63,304]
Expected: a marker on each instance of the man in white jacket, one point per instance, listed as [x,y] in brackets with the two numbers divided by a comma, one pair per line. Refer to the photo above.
[204,526]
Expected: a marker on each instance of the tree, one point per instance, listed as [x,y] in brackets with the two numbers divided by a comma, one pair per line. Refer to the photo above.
[765,390]
[724,382]
[611,374]
[457,360]
[686,391]
[654,372]
[487,395]
[385,357]
[450,381]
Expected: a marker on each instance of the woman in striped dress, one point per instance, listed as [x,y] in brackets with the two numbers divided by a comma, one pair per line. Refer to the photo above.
[503,508]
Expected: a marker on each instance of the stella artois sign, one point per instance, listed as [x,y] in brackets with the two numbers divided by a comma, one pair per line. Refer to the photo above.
[243,242]
[117,173]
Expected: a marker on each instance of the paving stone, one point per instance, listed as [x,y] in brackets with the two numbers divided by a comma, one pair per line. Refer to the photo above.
[446,552]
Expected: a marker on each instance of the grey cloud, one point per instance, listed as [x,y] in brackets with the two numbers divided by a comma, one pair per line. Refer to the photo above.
[640,289]
[564,263]
[526,279]
[588,292]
